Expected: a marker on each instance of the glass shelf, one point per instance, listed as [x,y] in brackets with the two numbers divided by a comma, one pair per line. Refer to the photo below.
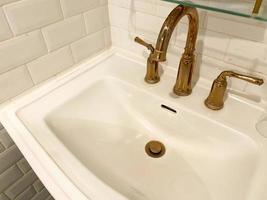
[243,8]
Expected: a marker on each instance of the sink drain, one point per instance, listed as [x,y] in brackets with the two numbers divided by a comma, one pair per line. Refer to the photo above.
[155,149]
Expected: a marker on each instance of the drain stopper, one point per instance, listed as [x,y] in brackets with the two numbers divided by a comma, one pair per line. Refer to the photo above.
[155,149]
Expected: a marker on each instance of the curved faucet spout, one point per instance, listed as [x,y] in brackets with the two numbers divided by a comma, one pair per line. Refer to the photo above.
[158,54]
[168,27]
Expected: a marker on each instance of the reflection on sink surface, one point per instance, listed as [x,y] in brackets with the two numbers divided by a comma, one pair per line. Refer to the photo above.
[93,125]
[107,126]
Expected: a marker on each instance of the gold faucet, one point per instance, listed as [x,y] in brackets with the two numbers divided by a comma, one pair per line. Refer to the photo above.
[158,54]
[215,100]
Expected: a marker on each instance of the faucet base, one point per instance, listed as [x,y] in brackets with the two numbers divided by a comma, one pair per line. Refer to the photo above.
[152,74]
[180,92]
[183,86]
[152,81]
[212,106]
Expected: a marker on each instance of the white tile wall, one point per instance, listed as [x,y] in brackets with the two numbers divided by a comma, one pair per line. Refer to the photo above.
[2,2]
[14,82]
[229,42]
[88,46]
[50,64]
[73,7]
[64,32]
[25,16]
[20,50]
[39,39]
[5,32]
[101,22]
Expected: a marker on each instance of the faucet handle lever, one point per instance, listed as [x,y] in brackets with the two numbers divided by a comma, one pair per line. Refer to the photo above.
[142,42]
[248,78]
[215,100]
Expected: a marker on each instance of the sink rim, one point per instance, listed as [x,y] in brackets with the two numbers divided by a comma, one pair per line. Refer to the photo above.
[47,170]
[56,181]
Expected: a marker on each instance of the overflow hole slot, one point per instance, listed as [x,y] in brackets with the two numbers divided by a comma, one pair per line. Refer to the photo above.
[168,108]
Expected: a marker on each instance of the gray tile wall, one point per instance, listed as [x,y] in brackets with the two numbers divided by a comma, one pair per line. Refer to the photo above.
[17,180]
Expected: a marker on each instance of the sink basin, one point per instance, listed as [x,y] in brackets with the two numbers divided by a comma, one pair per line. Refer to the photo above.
[85,132]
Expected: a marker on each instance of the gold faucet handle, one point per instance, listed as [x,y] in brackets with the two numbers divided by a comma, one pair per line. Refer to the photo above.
[215,100]
[142,42]
[248,78]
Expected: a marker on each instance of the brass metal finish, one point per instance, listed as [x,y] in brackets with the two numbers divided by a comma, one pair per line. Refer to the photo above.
[182,86]
[257,7]
[142,42]
[158,54]
[215,100]
[152,74]
[155,149]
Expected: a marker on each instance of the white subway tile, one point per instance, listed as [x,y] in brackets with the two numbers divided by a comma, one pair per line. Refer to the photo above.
[123,39]
[88,46]
[164,8]
[21,50]
[19,186]
[145,6]
[74,7]
[174,56]
[64,32]
[103,2]
[51,64]
[181,35]
[241,30]
[96,19]
[246,54]
[3,2]
[212,44]
[107,34]
[5,32]
[25,16]
[121,17]
[121,3]
[14,82]
[148,37]
[148,23]
[258,92]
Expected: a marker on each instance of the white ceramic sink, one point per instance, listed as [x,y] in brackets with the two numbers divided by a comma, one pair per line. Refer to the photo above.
[85,133]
